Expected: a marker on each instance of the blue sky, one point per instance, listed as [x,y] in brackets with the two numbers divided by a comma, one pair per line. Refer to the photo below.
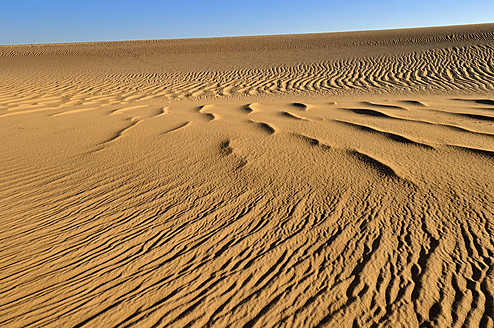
[46,21]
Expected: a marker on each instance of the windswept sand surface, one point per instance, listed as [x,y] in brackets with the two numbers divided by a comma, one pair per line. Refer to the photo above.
[327,180]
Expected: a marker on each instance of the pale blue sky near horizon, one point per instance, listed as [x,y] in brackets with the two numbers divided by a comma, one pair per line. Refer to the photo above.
[55,21]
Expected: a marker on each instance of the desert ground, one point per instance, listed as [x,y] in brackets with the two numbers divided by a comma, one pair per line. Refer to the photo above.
[319,180]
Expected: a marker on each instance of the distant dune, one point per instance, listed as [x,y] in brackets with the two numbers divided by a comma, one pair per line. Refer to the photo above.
[319,180]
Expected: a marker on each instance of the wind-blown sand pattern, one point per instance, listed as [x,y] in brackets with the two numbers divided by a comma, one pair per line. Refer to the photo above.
[305,180]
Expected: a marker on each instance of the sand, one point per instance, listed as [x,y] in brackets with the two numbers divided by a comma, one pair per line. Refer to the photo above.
[323,180]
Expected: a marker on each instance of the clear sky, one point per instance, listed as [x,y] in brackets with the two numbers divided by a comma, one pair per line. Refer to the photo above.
[46,21]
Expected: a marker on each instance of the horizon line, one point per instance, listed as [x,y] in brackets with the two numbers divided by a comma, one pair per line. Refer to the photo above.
[243,35]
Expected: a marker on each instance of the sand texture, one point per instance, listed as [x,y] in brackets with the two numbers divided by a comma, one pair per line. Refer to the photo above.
[324,180]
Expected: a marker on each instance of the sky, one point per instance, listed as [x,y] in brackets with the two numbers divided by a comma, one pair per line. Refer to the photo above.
[53,21]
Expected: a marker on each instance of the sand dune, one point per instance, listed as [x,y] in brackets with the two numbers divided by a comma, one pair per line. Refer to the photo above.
[301,180]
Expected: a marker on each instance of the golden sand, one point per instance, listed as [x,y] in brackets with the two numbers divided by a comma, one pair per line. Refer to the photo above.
[324,180]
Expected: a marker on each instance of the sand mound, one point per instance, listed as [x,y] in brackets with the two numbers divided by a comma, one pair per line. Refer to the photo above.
[318,180]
